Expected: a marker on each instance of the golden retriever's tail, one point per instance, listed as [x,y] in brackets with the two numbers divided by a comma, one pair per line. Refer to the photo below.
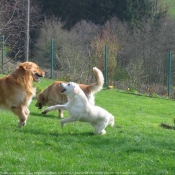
[98,85]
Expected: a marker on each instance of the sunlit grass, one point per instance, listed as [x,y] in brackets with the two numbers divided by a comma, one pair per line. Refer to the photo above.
[171,6]
[136,144]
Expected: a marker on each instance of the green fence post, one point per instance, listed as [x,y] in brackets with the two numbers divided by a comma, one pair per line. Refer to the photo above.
[2,53]
[51,58]
[106,67]
[169,73]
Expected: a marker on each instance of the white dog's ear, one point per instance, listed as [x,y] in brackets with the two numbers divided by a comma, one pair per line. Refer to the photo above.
[76,89]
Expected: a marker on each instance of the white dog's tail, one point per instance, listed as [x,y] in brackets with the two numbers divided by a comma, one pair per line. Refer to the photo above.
[97,86]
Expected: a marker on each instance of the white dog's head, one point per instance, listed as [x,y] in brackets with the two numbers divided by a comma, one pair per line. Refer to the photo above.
[70,88]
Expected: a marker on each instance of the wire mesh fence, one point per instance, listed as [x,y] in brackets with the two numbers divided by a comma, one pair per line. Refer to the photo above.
[142,75]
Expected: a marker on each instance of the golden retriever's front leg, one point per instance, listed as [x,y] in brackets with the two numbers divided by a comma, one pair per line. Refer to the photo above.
[60,112]
[22,112]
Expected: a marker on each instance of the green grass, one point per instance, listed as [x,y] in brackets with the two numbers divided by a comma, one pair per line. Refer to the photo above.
[171,5]
[135,145]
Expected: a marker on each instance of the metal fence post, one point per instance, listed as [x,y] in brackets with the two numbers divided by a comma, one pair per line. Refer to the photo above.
[106,67]
[169,73]
[2,53]
[51,58]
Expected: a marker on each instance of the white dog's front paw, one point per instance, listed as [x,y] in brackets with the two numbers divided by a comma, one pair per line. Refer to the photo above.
[45,111]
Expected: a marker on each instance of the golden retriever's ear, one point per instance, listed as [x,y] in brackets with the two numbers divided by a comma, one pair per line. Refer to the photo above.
[25,65]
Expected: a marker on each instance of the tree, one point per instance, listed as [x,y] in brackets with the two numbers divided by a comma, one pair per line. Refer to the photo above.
[71,51]
[106,36]
[100,11]
[13,25]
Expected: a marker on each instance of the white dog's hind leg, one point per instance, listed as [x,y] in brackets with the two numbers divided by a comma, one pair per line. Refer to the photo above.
[111,122]
[102,132]
[67,120]
[99,129]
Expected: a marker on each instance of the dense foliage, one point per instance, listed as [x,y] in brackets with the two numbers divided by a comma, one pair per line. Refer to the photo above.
[139,34]
[100,11]
[13,15]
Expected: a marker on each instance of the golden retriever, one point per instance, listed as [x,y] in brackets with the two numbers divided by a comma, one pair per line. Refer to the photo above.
[52,96]
[16,90]
[80,109]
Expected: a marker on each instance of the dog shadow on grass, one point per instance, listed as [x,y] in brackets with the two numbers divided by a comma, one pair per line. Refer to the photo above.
[57,133]
[39,114]
[59,136]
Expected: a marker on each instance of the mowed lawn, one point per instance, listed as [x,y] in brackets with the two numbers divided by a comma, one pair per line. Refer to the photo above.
[135,145]
[171,6]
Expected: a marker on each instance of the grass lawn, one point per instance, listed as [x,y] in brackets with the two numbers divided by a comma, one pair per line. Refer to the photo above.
[135,145]
[171,5]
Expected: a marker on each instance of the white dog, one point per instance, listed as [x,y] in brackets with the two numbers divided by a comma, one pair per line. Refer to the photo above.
[80,109]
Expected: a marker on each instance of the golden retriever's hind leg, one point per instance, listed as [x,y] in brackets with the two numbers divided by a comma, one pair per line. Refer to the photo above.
[22,113]
[60,112]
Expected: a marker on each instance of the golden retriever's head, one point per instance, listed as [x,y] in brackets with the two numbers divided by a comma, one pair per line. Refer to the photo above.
[41,101]
[32,68]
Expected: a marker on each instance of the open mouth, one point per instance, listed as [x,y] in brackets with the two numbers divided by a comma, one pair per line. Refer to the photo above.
[63,89]
[36,76]
[39,105]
